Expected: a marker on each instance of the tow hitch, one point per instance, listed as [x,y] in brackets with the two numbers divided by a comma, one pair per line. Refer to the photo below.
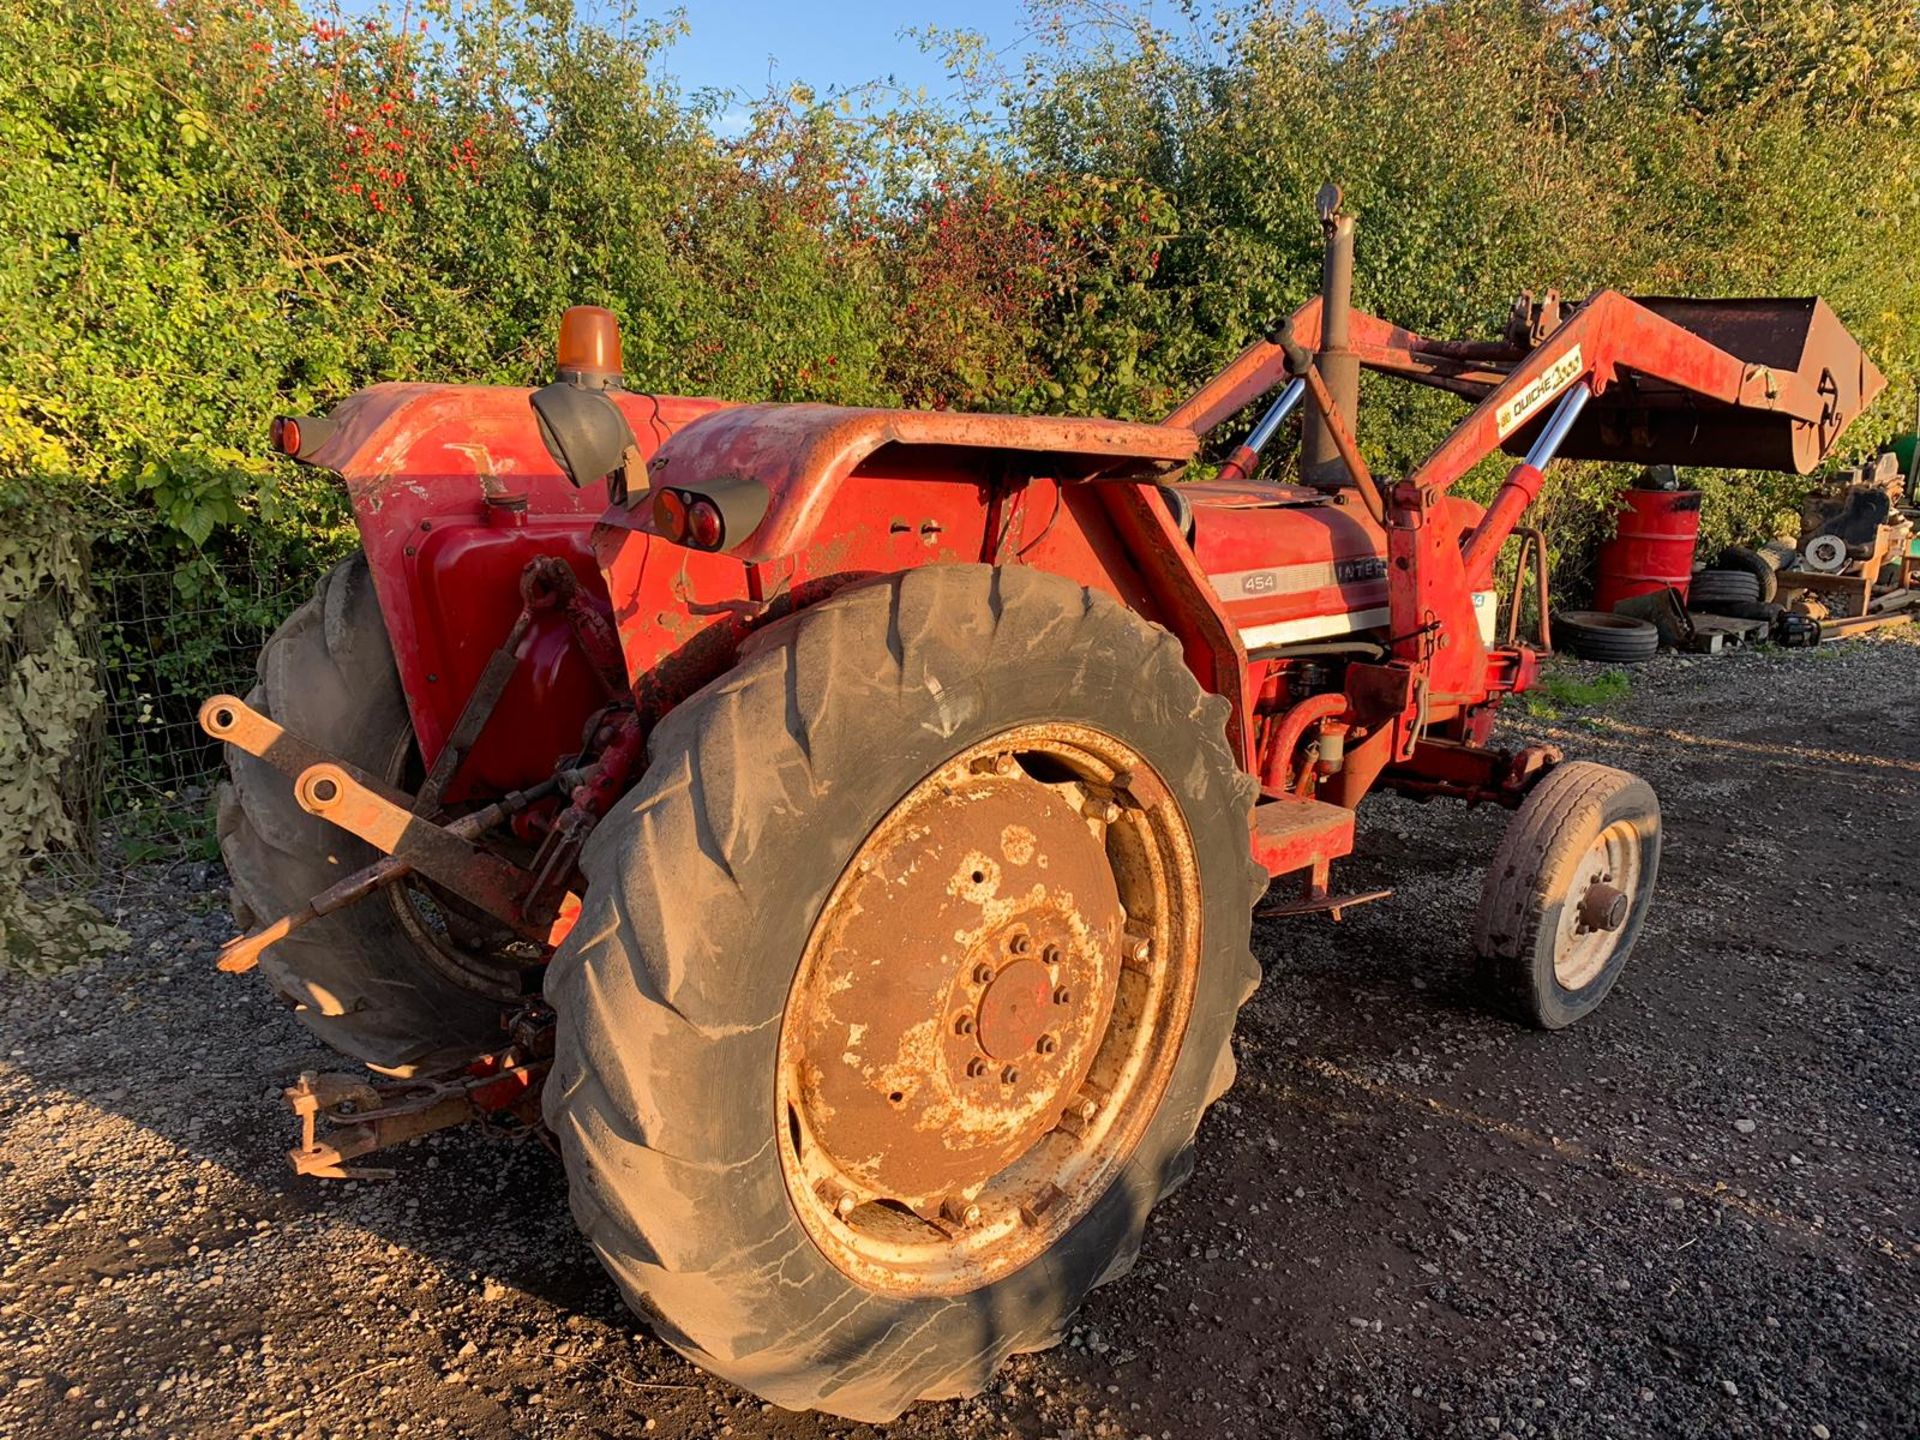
[343,1116]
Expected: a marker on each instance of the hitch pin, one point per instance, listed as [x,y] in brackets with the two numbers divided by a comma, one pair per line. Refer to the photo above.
[1241,463]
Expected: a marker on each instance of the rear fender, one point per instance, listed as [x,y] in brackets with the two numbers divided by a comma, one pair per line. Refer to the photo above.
[854,494]
[453,494]
[803,454]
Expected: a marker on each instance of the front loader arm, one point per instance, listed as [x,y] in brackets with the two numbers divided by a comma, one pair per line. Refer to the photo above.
[1789,359]
[1606,342]
[1646,382]
[1612,340]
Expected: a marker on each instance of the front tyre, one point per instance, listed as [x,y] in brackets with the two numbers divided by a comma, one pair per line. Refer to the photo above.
[1568,892]
[901,983]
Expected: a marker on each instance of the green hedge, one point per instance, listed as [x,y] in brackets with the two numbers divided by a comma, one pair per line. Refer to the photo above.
[214,212]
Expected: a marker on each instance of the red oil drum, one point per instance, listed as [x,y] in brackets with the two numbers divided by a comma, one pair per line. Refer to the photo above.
[1653,547]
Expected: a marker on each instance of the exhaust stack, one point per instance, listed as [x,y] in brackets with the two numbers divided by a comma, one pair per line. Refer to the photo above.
[1339,366]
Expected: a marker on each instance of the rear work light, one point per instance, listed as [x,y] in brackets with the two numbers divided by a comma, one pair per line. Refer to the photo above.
[712,516]
[299,436]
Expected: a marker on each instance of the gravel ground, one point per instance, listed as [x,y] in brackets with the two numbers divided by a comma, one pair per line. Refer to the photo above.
[1693,1215]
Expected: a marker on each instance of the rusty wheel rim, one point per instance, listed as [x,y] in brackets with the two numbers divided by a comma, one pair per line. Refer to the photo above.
[988,1010]
[1606,886]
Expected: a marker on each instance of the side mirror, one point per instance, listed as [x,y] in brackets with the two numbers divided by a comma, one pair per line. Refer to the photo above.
[585,433]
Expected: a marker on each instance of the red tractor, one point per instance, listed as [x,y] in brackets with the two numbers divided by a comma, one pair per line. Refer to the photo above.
[836,831]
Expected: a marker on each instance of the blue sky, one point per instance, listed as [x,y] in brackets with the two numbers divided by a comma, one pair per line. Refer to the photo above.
[736,44]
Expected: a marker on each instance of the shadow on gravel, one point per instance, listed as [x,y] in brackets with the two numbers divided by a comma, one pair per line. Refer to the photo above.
[1693,1215]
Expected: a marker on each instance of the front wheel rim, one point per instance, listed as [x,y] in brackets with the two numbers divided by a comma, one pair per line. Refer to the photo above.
[988,1010]
[1584,944]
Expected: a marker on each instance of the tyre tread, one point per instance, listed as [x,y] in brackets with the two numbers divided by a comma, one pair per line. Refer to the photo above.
[327,674]
[628,1047]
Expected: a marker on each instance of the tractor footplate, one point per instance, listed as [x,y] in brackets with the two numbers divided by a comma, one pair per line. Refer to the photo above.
[1317,897]
[1323,903]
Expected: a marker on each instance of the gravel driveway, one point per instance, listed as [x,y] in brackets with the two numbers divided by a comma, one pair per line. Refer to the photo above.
[1698,1214]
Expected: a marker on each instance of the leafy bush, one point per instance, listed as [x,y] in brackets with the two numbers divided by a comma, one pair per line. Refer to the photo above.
[223,210]
[220,210]
[50,705]
[1490,146]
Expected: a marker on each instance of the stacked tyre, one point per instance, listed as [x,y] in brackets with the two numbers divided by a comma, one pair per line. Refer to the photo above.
[1596,635]
[1762,565]
[1713,591]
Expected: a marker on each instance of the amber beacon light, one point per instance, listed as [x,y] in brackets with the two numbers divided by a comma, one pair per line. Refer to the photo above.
[589,349]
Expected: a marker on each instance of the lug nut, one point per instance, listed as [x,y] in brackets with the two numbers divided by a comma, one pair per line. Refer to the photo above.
[1051,956]
[982,973]
[976,1067]
[1005,764]
[1034,1209]
[845,1205]
[963,1024]
[1139,949]
[1046,1045]
[1109,813]
[1020,944]
[1009,1075]
[1078,1115]
[960,1211]
[1061,995]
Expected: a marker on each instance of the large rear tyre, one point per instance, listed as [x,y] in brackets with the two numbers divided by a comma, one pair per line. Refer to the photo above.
[1568,892]
[901,983]
[374,981]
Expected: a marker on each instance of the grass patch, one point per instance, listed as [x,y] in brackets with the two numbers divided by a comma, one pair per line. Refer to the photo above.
[1559,693]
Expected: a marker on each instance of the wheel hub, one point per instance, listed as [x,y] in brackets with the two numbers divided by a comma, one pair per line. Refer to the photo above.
[988,1008]
[970,911]
[1603,907]
[1599,901]
[1014,1011]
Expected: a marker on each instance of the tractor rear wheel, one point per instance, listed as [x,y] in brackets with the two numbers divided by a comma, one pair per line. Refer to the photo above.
[901,983]
[1568,892]
[379,980]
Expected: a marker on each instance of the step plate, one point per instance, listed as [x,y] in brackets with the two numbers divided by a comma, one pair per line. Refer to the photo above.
[1291,833]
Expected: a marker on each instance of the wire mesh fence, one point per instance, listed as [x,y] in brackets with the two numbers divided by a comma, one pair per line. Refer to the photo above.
[162,653]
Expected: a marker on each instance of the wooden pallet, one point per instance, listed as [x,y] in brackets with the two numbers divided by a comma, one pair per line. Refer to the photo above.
[1714,633]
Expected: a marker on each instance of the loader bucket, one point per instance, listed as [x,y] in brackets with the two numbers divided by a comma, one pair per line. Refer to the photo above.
[1649,423]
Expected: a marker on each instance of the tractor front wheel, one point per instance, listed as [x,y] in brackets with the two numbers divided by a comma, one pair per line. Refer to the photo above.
[901,983]
[1568,892]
